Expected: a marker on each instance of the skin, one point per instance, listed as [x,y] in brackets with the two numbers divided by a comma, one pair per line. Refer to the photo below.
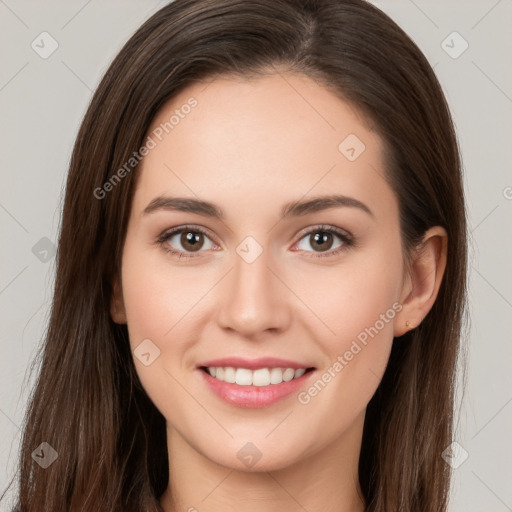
[250,146]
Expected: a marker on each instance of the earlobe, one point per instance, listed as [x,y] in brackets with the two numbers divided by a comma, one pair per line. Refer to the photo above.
[117,309]
[422,285]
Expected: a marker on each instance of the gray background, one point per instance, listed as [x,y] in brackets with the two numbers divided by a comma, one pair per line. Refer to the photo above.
[42,102]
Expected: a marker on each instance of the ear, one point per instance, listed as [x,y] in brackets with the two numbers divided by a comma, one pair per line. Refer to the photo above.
[423,280]
[117,309]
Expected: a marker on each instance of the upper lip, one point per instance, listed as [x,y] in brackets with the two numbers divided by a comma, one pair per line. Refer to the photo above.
[253,364]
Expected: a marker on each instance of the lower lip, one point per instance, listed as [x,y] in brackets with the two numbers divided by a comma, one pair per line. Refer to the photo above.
[254,396]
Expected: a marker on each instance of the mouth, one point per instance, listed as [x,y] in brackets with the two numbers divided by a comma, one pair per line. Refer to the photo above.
[254,383]
[260,377]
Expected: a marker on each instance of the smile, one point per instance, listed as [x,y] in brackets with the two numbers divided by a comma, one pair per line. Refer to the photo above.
[258,377]
[254,388]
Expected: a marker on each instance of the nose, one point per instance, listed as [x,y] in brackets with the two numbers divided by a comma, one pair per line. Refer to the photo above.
[254,300]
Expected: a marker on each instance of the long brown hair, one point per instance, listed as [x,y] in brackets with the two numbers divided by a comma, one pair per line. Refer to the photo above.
[88,403]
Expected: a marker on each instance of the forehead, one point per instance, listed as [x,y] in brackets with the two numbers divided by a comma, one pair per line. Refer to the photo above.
[274,138]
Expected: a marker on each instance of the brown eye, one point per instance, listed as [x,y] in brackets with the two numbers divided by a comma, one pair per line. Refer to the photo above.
[325,241]
[186,241]
[321,240]
[191,240]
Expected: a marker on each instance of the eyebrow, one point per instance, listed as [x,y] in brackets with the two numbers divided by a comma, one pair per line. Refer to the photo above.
[291,209]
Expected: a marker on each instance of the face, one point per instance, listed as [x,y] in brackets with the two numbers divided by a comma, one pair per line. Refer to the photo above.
[279,285]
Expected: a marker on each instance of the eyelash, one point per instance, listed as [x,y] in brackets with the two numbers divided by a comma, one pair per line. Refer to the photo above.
[345,237]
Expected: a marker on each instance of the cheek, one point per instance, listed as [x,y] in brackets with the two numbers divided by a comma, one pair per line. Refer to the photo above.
[357,305]
[165,303]
[146,301]
[352,296]
[160,305]
[158,296]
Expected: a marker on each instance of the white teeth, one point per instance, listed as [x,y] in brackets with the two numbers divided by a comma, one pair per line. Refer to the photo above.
[259,377]
[243,377]
[229,374]
[288,374]
[276,376]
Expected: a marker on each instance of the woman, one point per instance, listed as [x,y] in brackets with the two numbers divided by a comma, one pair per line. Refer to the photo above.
[261,272]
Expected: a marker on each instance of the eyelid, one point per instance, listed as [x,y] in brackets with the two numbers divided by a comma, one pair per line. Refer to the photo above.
[191,227]
[324,227]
